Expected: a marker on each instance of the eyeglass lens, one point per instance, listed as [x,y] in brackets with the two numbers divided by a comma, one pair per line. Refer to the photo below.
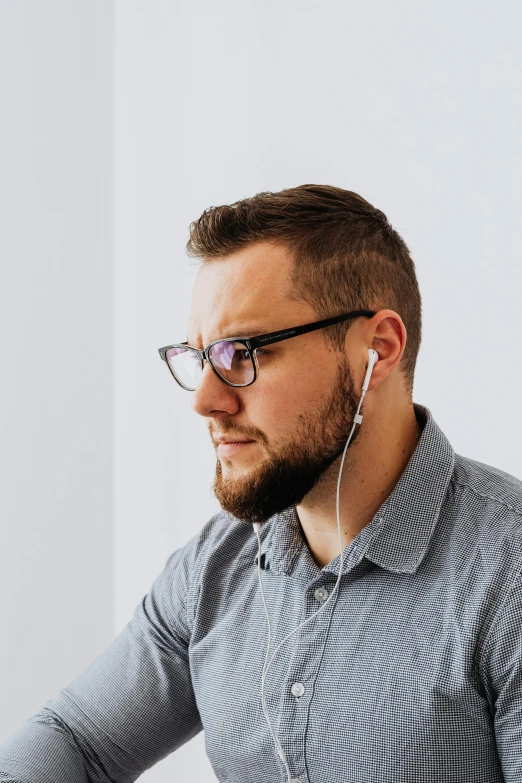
[232,361]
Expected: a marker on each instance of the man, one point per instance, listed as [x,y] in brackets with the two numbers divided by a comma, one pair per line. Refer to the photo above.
[413,672]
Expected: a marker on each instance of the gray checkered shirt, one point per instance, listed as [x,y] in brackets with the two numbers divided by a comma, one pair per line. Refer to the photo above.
[412,673]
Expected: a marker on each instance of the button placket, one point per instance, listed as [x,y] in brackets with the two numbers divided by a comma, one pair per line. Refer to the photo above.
[301,672]
[298,689]
[320,594]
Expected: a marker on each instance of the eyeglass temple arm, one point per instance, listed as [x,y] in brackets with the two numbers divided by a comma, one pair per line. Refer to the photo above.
[273,337]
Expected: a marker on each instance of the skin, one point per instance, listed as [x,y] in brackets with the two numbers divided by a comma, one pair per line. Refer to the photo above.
[300,409]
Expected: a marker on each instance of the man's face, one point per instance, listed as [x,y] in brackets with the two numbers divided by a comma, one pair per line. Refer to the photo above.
[299,412]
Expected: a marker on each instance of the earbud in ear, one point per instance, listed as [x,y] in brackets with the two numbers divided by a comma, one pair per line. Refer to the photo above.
[373,358]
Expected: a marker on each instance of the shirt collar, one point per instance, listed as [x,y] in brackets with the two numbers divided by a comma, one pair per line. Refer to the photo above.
[399,535]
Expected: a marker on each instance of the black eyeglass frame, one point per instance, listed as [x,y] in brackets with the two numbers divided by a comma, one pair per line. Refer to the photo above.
[252,343]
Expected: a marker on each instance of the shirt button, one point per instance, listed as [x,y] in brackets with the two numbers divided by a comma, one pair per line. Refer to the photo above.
[321,594]
[298,689]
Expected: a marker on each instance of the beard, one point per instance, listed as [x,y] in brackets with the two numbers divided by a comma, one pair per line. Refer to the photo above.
[291,472]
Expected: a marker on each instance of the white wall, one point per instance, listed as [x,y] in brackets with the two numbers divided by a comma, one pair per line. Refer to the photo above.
[56,310]
[415,106]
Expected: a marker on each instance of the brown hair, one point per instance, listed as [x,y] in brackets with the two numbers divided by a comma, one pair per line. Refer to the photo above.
[347,256]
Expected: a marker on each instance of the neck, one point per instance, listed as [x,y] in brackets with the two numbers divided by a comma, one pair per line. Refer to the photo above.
[371,470]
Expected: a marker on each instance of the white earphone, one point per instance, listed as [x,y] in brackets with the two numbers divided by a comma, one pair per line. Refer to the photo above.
[373,358]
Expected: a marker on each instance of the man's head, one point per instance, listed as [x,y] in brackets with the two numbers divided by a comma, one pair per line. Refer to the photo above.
[279,260]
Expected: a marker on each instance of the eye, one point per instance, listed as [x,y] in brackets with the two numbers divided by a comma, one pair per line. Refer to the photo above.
[244,355]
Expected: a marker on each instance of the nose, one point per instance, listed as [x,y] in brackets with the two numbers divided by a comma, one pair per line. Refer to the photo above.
[213,395]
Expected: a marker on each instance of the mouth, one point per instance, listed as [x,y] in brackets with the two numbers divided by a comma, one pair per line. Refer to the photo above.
[230,448]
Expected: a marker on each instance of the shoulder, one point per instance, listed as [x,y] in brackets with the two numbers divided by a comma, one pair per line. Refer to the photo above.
[223,542]
[482,482]
[486,508]
[488,502]
[215,554]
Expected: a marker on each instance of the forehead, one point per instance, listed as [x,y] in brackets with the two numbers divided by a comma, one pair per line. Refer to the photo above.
[241,294]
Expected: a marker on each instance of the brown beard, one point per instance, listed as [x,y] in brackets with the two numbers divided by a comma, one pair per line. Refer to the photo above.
[286,477]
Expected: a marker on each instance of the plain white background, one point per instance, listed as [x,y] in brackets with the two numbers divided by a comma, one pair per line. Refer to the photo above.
[120,122]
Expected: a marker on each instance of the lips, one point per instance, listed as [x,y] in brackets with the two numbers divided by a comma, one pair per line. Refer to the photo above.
[233,447]
[224,439]
[234,441]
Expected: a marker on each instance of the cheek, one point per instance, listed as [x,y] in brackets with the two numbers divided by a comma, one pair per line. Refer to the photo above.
[278,407]
[290,389]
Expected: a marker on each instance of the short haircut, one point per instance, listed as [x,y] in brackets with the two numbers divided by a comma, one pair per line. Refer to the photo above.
[346,255]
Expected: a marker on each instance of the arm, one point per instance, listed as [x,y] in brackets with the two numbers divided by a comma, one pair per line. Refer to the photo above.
[502,676]
[131,707]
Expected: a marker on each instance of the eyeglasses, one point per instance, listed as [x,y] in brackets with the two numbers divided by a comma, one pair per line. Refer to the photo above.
[234,359]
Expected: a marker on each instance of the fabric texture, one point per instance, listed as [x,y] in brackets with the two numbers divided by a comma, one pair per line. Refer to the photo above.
[411,674]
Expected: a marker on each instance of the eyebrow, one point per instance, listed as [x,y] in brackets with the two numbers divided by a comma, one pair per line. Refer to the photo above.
[246,331]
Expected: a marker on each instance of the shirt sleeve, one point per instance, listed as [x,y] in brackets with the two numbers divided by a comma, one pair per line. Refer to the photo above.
[502,672]
[129,708]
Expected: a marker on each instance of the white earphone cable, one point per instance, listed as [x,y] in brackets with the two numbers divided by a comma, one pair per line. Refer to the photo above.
[257,527]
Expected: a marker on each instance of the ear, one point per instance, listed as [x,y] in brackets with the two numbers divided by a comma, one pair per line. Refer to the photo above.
[386,334]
